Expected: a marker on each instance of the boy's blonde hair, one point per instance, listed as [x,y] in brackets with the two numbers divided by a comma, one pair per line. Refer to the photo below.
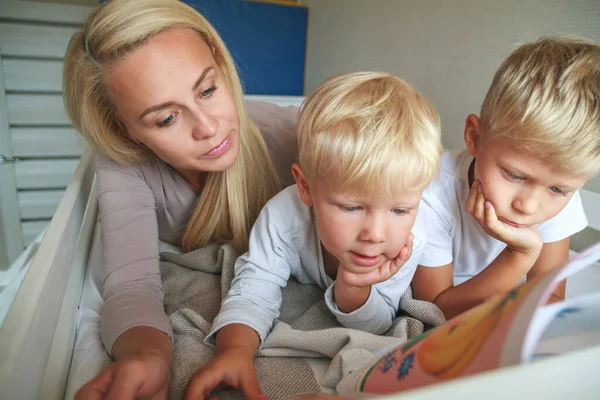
[545,98]
[369,131]
[231,200]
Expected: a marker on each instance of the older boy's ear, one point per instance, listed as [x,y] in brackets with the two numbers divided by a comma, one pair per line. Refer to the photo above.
[472,134]
[302,183]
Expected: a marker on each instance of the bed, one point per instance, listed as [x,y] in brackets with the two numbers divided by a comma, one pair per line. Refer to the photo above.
[50,345]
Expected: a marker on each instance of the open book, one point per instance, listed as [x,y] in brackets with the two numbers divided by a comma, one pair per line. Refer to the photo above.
[505,330]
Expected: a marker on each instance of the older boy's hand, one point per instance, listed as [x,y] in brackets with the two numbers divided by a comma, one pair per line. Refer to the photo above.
[526,240]
[365,277]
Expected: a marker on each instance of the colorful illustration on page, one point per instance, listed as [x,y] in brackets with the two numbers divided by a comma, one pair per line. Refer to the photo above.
[467,344]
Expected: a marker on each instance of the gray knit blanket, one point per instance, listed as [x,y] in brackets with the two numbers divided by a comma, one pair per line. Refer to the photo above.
[305,335]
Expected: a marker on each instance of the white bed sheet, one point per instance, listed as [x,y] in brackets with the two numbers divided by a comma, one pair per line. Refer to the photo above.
[89,355]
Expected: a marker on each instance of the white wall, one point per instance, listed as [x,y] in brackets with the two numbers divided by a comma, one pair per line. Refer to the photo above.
[449,49]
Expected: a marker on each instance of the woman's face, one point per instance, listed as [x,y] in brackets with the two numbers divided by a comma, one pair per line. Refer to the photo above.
[172,97]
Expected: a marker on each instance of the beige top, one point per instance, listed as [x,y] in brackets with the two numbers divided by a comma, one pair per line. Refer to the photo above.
[140,204]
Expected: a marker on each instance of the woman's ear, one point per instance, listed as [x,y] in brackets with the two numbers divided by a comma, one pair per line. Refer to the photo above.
[303,184]
[472,134]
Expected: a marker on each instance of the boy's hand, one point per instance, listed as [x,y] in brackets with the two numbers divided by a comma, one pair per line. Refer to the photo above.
[366,277]
[526,240]
[233,367]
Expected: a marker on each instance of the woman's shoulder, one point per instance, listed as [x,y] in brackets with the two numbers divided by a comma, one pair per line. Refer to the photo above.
[152,171]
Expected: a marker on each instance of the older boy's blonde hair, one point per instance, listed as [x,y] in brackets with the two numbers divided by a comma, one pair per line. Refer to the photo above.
[231,200]
[545,98]
[369,131]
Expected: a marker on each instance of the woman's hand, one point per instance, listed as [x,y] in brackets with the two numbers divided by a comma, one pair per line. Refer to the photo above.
[145,376]
[233,367]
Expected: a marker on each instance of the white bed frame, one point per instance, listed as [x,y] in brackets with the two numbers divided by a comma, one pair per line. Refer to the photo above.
[38,334]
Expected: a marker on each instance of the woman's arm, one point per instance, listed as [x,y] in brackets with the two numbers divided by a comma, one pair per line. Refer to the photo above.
[132,287]
[134,328]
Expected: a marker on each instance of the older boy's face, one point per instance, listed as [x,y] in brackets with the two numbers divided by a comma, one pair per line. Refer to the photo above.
[362,230]
[523,189]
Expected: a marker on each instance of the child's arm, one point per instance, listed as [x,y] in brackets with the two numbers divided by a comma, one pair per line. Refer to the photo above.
[523,247]
[435,284]
[551,256]
[247,313]
[368,300]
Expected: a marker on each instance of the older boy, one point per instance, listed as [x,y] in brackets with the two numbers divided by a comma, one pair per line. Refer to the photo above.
[368,145]
[504,209]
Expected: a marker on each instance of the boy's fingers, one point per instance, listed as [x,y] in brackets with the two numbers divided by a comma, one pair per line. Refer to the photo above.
[200,386]
[470,205]
[250,387]
[479,212]
[491,220]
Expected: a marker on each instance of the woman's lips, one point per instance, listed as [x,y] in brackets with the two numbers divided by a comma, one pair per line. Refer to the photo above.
[220,149]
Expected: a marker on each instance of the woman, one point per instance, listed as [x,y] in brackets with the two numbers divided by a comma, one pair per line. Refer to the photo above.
[152,87]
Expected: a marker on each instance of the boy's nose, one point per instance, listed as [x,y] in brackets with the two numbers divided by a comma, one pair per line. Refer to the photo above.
[374,230]
[526,203]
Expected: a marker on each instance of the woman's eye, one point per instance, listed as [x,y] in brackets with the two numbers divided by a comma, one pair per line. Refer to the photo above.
[208,91]
[556,190]
[167,121]
[400,211]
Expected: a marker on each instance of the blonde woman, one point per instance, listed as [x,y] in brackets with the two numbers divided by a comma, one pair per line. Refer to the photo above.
[152,87]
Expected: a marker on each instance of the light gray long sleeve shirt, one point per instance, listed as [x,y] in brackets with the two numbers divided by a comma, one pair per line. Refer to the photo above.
[140,204]
[284,242]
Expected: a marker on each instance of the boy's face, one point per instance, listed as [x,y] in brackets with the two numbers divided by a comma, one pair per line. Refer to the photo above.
[361,230]
[523,189]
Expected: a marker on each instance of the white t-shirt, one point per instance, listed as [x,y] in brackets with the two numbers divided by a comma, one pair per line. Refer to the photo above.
[284,242]
[454,236]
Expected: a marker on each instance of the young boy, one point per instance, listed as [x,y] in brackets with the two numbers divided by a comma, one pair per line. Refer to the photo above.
[368,145]
[504,209]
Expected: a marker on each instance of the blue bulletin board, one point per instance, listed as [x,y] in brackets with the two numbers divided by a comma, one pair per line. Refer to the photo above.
[266,40]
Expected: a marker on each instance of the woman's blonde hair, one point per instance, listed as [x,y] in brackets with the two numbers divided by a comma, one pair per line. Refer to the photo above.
[369,131]
[231,200]
[545,98]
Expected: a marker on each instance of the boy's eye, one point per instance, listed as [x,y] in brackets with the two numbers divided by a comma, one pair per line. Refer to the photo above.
[514,177]
[400,211]
[208,91]
[167,121]
[556,190]
[350,208]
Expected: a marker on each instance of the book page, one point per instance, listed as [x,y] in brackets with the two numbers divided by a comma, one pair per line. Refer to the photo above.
[575,325]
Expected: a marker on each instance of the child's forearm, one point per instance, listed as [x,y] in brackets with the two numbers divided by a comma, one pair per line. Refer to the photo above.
[238,336]
[503,274]
[350,298]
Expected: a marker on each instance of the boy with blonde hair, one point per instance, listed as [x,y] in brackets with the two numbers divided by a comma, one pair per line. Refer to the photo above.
[504,209]
[368,145]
